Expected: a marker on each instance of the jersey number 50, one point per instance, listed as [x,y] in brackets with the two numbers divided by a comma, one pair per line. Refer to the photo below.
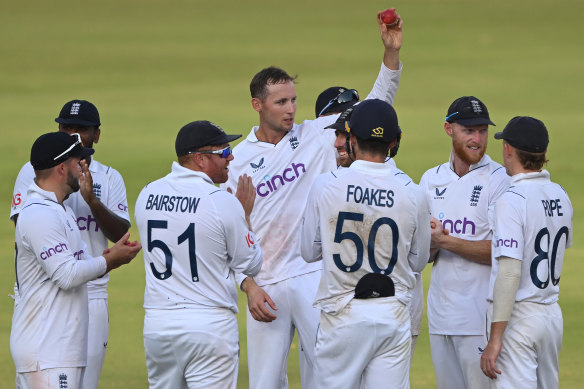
[340,236]
[541,255]
[187,235]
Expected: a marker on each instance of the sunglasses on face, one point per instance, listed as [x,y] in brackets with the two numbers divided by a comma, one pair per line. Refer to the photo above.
[77,142]
[224,153]
[342,98]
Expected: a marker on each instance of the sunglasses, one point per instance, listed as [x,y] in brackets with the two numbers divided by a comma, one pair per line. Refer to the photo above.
[224,153]
[77,142]
[342,98]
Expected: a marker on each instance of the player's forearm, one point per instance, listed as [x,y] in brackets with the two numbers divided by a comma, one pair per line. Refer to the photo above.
[74,272]
[112,225]
[391,59]
[478,251]
[497,330]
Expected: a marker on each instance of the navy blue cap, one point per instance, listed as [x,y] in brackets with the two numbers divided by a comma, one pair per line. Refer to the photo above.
[468,111]
[199,134]
[525,133]
[53,148]
[339,124]
[328,100]
[374,119]
[80,112]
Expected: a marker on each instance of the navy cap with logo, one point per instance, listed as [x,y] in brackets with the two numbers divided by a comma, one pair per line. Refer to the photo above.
[80,112]
[53,148]
[468,111]
[374,119]
[335,99]
[199,134]
[339,124]
[373,285]
[525,133]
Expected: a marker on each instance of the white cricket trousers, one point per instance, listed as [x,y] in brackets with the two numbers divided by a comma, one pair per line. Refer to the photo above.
[532,341]
[97,338]
[366,345]
[268,344]
[457,361]
[57,378]
[191,348]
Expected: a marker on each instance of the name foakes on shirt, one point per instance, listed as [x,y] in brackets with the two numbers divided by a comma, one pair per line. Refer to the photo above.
[370,196]
[162,202]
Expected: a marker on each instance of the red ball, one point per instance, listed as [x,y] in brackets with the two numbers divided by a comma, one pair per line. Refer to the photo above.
[389,17]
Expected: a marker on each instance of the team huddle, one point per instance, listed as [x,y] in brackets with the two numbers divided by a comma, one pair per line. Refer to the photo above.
[320,229]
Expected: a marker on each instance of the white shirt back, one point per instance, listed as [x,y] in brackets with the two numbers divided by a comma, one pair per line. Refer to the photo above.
[533,223]
[360,220]
[194,236]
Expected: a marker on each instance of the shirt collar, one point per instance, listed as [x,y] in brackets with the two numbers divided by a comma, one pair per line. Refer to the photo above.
[542,175]
[182,172]
[373,167]
[36,191]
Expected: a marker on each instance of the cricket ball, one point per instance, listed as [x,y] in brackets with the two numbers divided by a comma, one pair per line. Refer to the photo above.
[389,17]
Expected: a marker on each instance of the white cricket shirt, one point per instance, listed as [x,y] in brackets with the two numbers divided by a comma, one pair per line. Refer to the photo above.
[283,174]
[533,223]
[49,325]
[361,220]
[194,236]
[457,298]
[108,187]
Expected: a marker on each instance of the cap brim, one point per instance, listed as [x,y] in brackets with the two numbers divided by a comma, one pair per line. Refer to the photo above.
[475,122]
[337,126]
[499,135]
[77,121]
[83,152]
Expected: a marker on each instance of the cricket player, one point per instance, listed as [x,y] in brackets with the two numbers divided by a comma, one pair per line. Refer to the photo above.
[462,193]
[372,233]
[283,159]
[345,160]
[48,340]
[197,235]
[101,210]
[533,228]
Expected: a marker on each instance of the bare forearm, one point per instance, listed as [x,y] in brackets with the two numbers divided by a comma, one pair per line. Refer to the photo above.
[112,225]
[477,251]
[391,59]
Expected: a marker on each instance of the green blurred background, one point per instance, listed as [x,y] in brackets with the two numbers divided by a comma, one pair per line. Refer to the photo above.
[153,66]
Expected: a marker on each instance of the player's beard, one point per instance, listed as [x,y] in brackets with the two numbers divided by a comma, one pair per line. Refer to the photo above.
[462,152]
[72,182]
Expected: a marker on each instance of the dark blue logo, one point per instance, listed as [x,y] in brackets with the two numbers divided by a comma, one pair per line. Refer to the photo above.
[257,166]
[440,193]
[476,193]
[294,142]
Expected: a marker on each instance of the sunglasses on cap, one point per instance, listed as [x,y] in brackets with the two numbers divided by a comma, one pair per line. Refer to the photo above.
[224,153]
[77,142]
[342,98]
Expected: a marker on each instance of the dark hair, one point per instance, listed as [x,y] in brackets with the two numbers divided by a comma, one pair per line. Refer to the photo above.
[373,146]
[531,161]
[268,76]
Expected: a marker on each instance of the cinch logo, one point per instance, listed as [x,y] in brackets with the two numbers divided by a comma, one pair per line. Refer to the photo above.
[272,184]
[47,253]
[257,166]
[464,226]
[123,207]
[511,243]
[16,200]
[84,223]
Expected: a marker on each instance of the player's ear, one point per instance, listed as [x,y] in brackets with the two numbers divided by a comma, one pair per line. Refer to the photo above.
[97,134]
[256,104]
[448,128]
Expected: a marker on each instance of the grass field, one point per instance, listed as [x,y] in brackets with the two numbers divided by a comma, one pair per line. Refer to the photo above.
[153,66]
